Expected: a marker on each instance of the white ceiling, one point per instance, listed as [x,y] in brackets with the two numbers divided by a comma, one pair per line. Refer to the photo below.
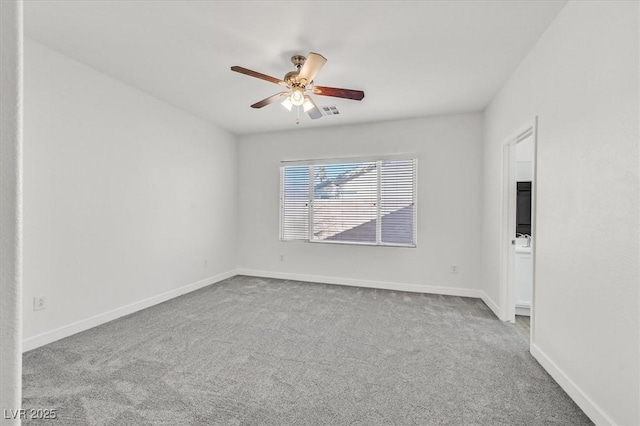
[410,58]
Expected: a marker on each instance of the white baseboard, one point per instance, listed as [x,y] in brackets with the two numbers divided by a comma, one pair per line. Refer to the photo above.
[94,321]
[595,413]
[383,285]
[492,305]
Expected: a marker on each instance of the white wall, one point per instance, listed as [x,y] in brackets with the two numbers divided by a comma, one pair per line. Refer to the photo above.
[125,198]
[11,42]
[449,174]
[582,81]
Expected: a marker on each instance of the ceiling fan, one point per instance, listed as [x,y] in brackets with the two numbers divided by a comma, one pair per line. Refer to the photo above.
[299,82]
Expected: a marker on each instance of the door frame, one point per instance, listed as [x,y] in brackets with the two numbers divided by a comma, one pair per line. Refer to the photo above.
[508,220]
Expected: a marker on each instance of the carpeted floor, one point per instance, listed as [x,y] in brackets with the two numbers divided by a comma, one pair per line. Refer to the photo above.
[261,351]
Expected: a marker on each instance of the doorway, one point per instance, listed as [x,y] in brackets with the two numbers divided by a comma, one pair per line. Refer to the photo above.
[518,238]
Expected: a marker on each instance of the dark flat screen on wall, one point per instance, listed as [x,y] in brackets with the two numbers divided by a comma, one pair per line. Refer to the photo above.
[523,208]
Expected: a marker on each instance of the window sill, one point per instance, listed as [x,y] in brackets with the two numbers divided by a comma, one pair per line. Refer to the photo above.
[351,243]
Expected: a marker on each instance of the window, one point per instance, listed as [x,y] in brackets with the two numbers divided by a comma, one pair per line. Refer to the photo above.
[361,202]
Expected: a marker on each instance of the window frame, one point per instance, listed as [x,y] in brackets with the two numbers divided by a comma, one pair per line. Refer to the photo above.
[310,203]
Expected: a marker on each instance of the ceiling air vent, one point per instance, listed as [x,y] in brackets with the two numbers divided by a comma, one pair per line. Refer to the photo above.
[329,110]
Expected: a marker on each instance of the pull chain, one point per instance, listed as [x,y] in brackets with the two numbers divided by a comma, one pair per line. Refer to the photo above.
[298,112]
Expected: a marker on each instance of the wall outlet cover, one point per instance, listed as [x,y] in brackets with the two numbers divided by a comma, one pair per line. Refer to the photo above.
[39,303]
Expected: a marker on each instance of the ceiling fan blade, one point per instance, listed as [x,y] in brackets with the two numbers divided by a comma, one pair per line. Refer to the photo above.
[311,108]
[256,74]
[336,92]
[311,66]
[271,99]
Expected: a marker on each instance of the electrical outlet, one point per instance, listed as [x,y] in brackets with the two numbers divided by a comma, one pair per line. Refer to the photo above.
[454,269]
[39,303]
[282,258]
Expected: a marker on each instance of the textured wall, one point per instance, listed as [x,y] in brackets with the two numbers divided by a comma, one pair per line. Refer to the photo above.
[10,205]
[126,197]
[582,81]
[449,170]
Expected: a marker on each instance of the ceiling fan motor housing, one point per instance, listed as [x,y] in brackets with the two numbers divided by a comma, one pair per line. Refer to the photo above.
[291,78]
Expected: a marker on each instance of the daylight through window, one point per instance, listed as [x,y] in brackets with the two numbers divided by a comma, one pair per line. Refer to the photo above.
[365,202]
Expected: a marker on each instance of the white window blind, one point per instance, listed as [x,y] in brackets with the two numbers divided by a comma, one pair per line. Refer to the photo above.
[368,202]
[294,201]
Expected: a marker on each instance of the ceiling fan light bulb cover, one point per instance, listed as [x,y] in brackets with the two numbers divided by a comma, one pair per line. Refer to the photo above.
[287,104]
[297,97]
[308,104]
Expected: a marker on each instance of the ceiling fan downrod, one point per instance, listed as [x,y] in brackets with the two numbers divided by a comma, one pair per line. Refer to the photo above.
[298,61]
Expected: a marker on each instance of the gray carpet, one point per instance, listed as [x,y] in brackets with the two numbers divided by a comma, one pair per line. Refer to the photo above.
[261,351]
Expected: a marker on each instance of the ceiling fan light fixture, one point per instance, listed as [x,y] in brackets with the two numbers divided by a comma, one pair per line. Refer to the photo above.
[308,104]
[297,96]
[287,103]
